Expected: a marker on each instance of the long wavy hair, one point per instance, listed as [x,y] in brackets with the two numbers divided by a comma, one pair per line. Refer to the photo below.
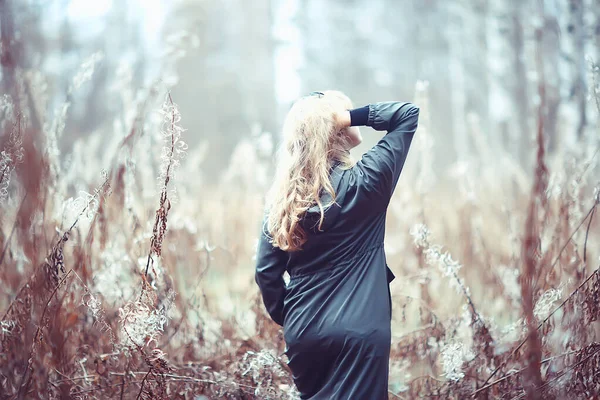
[312,142]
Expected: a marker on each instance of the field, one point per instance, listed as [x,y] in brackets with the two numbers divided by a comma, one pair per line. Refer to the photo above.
[125,276]
[136,150]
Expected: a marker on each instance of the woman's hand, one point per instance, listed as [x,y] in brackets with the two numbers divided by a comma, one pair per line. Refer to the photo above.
[342,119]
[352,137]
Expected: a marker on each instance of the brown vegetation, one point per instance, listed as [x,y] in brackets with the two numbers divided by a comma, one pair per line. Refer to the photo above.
[136,291]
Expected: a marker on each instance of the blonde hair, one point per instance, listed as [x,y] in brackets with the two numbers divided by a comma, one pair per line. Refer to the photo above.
[312,142]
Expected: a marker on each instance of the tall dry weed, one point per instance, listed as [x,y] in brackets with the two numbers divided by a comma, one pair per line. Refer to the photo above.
[112,289]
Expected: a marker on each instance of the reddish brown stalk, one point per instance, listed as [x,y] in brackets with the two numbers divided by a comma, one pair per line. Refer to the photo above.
[142,384]
[545,361]
[531,241]
[54,262]
[12,146]
[593,350]
[160,221]
[27,375]
[12,231]
[587,232]
[522,343]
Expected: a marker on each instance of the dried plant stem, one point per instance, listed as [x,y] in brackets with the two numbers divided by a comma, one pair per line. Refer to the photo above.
[474,394]
[566,369]
[397,396]
[423,303]
[124,374]
[569,297]
[100,388]
[589,213]
[4,173]
[505,377]
[27,375]
[532,237]
[169,376]
[587,233]
[596,84]
[142,385]
[160,220]
[57,248]
[468,297]
[122,387]
[12,231]
[14,139]
[190,301]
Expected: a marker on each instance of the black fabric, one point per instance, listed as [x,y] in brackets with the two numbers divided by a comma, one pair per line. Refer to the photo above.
[359,116]
[336,309]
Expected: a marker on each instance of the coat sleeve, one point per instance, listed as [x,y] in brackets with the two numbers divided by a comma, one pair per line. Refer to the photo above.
[380,167]
[270,265]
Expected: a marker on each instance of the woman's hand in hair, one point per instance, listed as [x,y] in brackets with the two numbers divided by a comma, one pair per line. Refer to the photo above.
[352,137]
[342,119]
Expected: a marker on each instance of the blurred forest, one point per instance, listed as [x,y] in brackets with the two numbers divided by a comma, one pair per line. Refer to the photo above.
[137,142]
[237,65]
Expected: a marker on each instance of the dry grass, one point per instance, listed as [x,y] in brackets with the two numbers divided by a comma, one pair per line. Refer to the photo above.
[131,290]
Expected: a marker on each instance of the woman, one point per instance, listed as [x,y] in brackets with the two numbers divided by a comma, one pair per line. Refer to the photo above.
[325,225]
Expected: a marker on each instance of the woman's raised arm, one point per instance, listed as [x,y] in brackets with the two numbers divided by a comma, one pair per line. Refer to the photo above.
[382,164]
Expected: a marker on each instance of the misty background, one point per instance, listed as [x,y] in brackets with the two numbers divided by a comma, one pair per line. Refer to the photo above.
[235,67]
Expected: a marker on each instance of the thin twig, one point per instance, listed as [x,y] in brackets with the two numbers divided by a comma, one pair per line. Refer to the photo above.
[189,301]
[564,371]
[162,211]
[170,376]
[142,385]
[396,395]
[35,338]
[122,387]
[590,212]
[505,377]
[12,231]
[60,240]
[552,313]
[587,233]
[100,388]
[538,327]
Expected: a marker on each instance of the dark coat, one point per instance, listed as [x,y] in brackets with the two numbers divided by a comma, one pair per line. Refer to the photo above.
[336,309]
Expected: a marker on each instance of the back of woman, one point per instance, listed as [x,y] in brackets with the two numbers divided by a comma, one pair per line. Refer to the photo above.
[325,226]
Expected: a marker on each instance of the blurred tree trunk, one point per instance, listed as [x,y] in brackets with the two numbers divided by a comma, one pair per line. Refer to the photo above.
[596,30]
[21,44]
[9,51]
[476,67]
[330,48]
[257,51]
[227,88]
[430,49]
[116,42]
[551,48]
[576,35]
[595,42]
[520,86]
[469,69]
[458,96]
